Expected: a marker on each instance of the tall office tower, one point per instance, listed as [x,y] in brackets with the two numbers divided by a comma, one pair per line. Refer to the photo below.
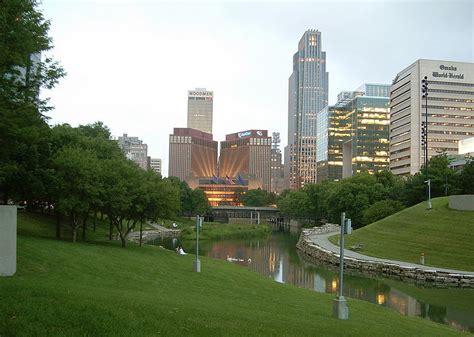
[193,153]
[353,135]
[247,153]
[200,107]
[277,175]
[450,112]
[155,165]
[134,149]
[308,94]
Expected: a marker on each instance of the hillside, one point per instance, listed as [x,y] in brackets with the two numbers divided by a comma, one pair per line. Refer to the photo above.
[97,288]
[445,236]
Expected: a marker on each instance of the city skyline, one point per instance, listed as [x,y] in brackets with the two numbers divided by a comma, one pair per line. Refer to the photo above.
[241,51]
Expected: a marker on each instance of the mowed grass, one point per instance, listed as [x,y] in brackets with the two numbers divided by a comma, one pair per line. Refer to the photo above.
[97,288]
[445,236]
[216,231]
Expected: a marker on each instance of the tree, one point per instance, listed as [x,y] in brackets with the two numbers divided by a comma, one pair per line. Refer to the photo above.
[255,198]
[465,181]
[381,209]
[77,184]
[200,204]
[294,203]
[23,129]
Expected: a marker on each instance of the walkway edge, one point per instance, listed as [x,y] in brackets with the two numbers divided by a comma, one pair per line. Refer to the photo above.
[427,277]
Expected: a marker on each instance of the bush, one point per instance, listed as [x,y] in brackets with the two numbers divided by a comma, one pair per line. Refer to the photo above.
[381,209]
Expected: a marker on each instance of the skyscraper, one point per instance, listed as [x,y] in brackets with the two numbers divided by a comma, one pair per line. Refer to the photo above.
[277,178]
[247,153]
[353,133]
[450,112]
[192,153]
[200,108]
[308,94]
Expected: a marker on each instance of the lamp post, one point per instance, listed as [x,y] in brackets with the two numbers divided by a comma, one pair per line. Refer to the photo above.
[339,308]
[197,263]
[424,138]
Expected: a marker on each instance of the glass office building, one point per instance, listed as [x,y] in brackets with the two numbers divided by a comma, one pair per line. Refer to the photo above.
[353,137]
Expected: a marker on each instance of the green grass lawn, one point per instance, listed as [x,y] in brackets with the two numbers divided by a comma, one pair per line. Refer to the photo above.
[215,231]
[97,288]
[445,236]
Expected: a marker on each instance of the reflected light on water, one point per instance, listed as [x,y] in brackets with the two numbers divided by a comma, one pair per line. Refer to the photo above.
[334,285]
[380,299]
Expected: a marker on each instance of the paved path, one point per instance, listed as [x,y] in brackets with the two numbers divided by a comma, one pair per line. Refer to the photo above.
[322,241]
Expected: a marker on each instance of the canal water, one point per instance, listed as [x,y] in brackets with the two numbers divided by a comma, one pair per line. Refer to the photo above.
[276,256]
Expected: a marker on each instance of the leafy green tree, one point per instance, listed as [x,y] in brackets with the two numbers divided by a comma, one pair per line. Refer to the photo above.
[200,202]
[23,129]
[294,203]
[255,198]
[77,184]
[465,181]
[381,209]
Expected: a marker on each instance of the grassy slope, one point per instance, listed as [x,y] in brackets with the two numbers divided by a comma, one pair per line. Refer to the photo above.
[445,236]
[100,289]
[214,231]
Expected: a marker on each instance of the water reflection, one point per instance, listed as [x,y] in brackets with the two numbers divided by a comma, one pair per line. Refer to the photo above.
[277,257]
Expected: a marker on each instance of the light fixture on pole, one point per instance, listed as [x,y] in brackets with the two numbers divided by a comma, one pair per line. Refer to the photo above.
[339,308]
[424,138]
[197,263]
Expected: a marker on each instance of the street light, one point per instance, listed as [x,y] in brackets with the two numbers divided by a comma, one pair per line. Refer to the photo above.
[339,308]
[197,263]
[424,138]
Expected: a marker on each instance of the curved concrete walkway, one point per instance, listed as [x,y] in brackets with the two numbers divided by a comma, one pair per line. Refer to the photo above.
[322,241]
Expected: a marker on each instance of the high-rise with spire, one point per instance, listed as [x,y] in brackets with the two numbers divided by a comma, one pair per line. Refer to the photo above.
[308,94]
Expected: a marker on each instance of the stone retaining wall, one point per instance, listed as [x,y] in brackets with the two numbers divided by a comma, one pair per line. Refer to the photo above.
[433,278]
[153,234]
[462,202]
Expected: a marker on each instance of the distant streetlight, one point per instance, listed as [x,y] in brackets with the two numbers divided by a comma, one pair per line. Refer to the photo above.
[424,138]
[340,309]
[197,263]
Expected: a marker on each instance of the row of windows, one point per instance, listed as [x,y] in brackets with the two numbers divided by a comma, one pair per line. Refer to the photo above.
[449,99]
[448,116]
[451,124]
[457,92]
[452,83]
[451,132]
[439,107]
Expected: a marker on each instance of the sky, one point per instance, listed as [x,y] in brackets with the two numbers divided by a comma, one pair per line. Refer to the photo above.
[130,63]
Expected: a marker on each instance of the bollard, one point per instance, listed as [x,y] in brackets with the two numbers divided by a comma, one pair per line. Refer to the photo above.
[422,258]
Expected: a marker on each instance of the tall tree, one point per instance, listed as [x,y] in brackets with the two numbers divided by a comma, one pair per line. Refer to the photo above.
[23,129]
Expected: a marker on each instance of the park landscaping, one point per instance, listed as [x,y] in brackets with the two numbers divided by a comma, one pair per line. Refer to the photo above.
[445,236]
[218,231]
[97,288]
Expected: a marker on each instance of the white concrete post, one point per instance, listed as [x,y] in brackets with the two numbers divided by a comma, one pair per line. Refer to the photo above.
[8,240]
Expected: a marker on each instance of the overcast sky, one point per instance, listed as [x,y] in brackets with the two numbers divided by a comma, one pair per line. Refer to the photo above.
[130,63]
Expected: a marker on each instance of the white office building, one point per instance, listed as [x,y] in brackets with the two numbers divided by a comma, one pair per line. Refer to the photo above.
[450,112]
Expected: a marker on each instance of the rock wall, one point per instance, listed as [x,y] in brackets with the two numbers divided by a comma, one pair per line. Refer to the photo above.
[433,278]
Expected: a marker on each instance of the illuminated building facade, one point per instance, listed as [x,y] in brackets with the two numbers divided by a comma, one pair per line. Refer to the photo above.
[247,153]
[192,153]
[308,94]
[450,112]
[353,137]
[200,108]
